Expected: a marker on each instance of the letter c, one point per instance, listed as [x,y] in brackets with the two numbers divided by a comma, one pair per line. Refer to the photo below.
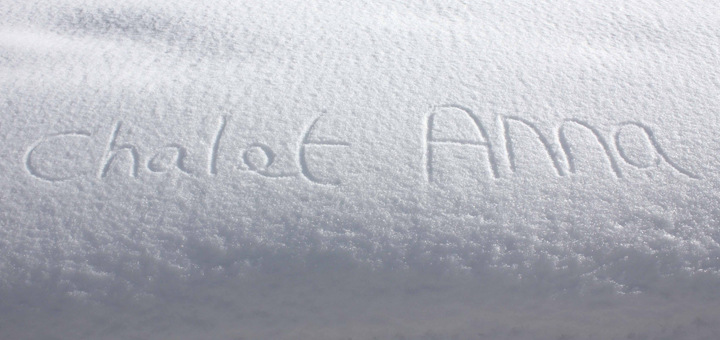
[28,155]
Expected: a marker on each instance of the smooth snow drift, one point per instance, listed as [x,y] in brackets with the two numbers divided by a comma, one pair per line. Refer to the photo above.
[359,169]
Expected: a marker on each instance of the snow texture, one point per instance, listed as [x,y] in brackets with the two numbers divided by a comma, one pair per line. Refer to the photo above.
[372,169]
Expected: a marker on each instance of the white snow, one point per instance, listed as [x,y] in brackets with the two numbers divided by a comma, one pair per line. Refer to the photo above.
[368,169]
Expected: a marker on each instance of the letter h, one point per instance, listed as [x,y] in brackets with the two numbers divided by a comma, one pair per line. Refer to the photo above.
[113,151]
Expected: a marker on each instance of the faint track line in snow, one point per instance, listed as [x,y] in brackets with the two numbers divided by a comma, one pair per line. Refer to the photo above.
[428,147]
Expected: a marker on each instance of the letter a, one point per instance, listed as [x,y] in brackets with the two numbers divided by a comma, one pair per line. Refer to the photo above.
[650,134]
[456,132]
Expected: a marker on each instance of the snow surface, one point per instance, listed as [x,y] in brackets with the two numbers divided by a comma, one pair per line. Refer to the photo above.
[367,169]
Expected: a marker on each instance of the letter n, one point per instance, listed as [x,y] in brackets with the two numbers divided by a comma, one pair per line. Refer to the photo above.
[570,155]
[510,146]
